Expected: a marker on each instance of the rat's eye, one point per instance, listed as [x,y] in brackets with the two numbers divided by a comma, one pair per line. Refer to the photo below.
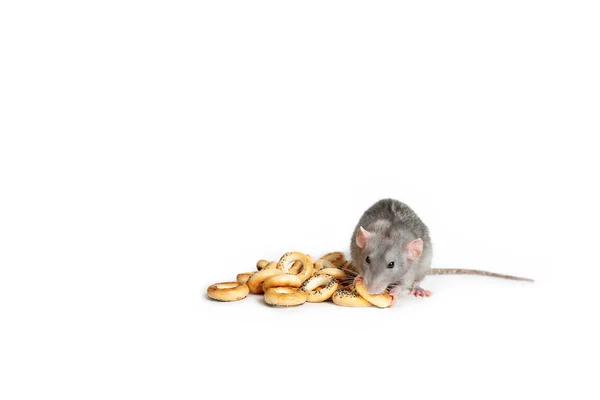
[391,264]
[368,260]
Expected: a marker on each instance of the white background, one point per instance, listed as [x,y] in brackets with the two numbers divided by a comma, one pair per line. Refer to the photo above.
[150,149]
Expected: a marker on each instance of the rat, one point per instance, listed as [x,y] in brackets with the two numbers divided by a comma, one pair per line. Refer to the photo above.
[391,249]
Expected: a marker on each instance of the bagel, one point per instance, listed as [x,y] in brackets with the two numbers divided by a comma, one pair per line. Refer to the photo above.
[382,300]
[261,264]
[270,265]
[335,272]
[227,291]
[281,280]
[349,267]
[319,288]
[284,297]
[296,267]
[289,258]
[345,284]
[255,281]
[321,264]
[349,298]
[243,277]
[337,258]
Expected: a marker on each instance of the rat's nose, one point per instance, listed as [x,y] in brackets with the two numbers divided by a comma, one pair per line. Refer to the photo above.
[374,288]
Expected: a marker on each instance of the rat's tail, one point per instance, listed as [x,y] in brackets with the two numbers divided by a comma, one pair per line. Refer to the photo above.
[460,271]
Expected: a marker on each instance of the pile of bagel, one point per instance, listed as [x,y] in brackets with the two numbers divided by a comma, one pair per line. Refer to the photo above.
[297,278]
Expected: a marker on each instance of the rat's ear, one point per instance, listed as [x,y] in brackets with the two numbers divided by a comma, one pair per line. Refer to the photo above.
[414,249]
[361,237]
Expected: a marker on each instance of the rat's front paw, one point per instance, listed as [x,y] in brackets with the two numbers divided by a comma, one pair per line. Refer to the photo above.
[420,292]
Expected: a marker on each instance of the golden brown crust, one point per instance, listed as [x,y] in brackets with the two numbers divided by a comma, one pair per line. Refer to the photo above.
[243,277]
[255,281]
[261,264]
[337,258]
[383,300]
[284,297]
[319,288]
[349,298]
[321,264]
[271,265]
[296,267]
[227,291]
[288,259]
[281,280]
[335,272]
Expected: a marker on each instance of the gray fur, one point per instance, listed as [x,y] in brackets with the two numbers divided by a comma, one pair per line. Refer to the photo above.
[462,271]
[392,225]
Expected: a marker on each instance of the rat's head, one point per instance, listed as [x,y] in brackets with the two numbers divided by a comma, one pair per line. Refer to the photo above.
[385,258]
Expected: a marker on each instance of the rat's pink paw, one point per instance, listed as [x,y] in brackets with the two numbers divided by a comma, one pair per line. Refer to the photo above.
[394,297]
[420,292]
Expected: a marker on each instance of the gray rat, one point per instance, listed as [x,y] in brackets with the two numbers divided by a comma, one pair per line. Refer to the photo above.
[392,249]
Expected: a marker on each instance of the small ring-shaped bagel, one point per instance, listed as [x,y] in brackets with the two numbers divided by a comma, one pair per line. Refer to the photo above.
[284,297]
[335,272]
[271,265]
[243,277]
[227,291]
[288,259]
[281,280]
[319,288]
[255,281]
[349,298]
[337,258]
[382,300]
[349,267]
[261,264]
[296,267]
[321,264]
